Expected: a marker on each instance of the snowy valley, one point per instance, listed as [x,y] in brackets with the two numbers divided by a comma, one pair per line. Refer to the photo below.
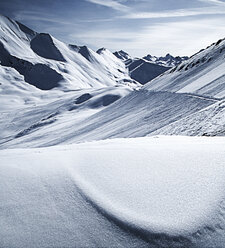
[99,149]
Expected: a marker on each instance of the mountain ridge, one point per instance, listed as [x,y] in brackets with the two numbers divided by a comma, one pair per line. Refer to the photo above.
[148,67]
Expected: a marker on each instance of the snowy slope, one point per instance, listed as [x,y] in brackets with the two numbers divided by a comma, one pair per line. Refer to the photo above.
[202,74]
[135,115]
[118,112]
[47,63]
[207,122]
[128,193]
[55,113]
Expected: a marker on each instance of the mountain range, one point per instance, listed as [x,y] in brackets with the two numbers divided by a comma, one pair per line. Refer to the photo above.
[54,83]
[145,69]
[94,146]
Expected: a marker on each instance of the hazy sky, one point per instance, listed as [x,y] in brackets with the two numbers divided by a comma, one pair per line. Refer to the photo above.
[179,27]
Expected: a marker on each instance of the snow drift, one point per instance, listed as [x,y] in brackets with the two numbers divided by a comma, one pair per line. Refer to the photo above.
[129,193]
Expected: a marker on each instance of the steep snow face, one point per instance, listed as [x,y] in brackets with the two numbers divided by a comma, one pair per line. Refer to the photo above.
[202,74]
[43,45]
[128,193]
[15,92]
[68,68]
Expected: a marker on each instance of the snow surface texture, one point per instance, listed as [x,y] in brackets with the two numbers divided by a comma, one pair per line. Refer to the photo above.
[129,193]
[135,115]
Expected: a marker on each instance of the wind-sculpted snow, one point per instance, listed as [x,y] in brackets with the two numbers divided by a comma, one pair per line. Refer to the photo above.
[137,114]
[122,193]
[43,111]
[144,192]
[207,122]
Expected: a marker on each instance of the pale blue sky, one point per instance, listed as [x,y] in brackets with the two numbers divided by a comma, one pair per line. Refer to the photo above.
[179,27]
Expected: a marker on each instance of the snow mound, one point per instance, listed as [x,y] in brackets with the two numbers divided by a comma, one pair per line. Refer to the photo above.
[129,193]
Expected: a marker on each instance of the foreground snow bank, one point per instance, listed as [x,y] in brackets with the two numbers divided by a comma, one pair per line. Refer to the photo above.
[167,191]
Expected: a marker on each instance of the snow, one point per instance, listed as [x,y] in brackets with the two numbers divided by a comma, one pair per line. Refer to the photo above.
[174,103]
[72,70]
[208,122]
[62,112]
[137,114]
[149,67]
[202,74]
[204,80]
[118,190]
[127,189]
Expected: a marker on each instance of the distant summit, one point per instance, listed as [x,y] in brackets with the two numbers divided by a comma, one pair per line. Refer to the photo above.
[122,55]
[168,60]
[149,67]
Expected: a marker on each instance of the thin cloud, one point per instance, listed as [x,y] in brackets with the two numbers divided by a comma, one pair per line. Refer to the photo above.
[39,16]
[217,2]
[177,38]
[175,13]
[116,5]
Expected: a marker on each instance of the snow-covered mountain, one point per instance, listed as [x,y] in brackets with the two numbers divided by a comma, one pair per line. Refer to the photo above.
[168,60]
[124,56]
[176,102]
[47,63]
[144,192]
[202,74]
[143,70]
[149,67]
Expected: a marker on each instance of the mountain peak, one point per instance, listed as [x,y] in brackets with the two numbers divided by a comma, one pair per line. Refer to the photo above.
[100,50]
[122,55]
